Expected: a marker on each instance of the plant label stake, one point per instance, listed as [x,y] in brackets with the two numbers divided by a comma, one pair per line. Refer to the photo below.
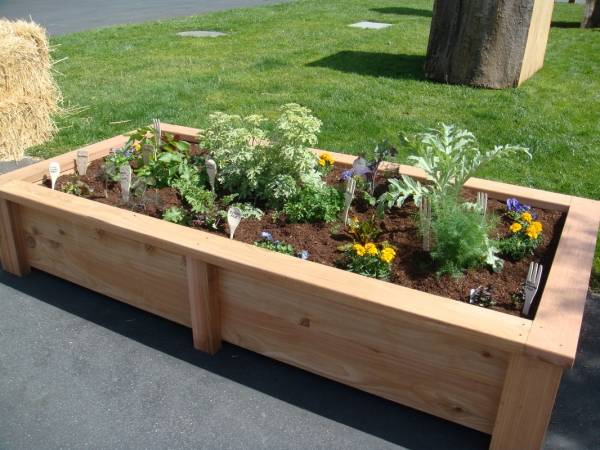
[348,197]
[54,170]
[234,217]
[211,171]
[147,152]
[482,201]
[125,180]
[83,157]
[532,285]
[425,212]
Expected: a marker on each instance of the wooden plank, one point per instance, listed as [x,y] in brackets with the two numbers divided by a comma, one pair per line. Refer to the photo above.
[204,305]
[526,405]
[134,272]
[555,331]
[489,327]
[35,172]
[12,247]
[455,379]
[537,38]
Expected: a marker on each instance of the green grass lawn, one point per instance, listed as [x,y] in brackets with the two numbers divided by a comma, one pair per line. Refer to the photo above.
[365,85]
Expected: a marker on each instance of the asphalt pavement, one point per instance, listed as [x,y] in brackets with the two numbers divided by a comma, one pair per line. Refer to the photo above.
[67,16]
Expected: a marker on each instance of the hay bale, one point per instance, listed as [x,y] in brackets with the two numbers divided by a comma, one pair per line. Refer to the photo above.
[29,96]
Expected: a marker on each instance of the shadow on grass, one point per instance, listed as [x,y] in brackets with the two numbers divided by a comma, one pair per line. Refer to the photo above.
[403,11]
[566,25]
[334,401]
[385,65]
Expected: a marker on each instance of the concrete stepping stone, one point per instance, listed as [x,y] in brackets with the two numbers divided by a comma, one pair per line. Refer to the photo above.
[370,25]
[201,34]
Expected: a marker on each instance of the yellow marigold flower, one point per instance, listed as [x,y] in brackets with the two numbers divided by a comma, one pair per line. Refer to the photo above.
[371,249]
[515,227]
[526,217]
[359,249]
[137,147]
[326,158]
[537,226]
[388,254]
[532,232]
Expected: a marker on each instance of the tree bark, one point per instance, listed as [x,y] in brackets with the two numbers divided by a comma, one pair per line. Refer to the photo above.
[592,14]
[479,42]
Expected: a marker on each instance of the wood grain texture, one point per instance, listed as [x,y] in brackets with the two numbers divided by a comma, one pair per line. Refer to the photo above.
[555,331]
[526,405]
[456,379]
[432,312]
[131,271]
[537,39]
[12,249]
[35,172]
[204,305]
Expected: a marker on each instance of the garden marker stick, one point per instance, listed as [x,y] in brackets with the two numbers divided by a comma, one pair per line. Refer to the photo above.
[234,217]
[83,158]
[211,171]
[54,170]
[348,197]
[425,212]
[157,135]
[125,180]
[482,201]
[147,152]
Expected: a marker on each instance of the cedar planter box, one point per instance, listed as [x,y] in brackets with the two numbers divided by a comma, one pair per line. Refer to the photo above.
[493,372]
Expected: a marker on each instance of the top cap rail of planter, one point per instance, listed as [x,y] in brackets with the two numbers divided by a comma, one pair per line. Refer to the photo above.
[501,331]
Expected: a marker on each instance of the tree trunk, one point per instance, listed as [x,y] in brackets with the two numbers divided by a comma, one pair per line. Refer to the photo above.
[487,43]
[592,14]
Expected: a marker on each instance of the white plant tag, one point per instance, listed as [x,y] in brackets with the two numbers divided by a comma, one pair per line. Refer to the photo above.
[125,180]
[147,152]
[83,157]
[425,213]
[348,197]
[54,170]
[211,171]
[234,217]
[157,133]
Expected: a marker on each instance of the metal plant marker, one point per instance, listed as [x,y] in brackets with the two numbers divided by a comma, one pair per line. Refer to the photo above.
[147,152]
[425,212]
[83,158]
[348,197]
[482,201]
[211,171]
[234,217]
[532,285]
[54,170]
[125,180]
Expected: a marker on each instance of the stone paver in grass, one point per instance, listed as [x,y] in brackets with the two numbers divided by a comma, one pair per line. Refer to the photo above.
[370,25]
[201,33]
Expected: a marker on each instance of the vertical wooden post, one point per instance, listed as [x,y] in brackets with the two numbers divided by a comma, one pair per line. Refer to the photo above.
[12,244]
[526,404]
[204,305]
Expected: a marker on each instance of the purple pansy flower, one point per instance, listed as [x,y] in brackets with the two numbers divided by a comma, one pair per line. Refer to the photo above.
[347,174]
[514,205]
[303,254]
[266,236]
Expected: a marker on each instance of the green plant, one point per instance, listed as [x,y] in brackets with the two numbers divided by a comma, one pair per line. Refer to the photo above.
[147,136]
[115,160]
[461,239]
[175,215]
[267,242]
[369,259]
[262,160]
[525,235]
[78,188]
[449,156]
[314,204]
[363,231]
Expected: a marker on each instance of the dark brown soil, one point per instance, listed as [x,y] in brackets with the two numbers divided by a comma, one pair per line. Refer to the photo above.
[412,267]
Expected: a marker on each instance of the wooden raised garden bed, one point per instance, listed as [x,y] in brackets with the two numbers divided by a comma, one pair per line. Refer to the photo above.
[494,372]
